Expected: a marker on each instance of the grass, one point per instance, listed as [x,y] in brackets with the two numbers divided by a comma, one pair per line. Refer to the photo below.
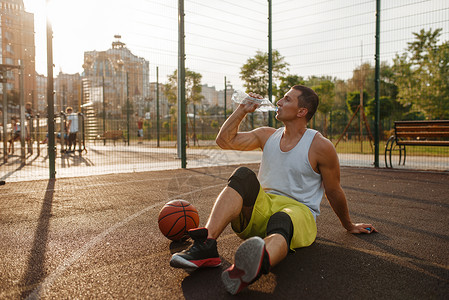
[349,147]
[355,148]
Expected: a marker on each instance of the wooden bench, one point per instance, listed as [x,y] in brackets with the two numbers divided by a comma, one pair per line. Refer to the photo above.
[113,135]
[416,133]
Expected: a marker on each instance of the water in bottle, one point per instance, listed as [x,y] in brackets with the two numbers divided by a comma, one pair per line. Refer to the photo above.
[264,104]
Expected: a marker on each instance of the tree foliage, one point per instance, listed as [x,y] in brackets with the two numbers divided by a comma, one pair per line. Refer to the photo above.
[353,100]
[254,72]
[193,87]
[422,75]
[285,83]
[326,94]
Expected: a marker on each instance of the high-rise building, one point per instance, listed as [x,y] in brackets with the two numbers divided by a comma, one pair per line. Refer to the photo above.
[67,92]
[41,93]
[115,75]
[17,45]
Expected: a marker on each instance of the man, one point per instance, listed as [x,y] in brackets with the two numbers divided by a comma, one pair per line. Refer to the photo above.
[139,128]
[281,204]
[72,128]
[29,114]
[15,134]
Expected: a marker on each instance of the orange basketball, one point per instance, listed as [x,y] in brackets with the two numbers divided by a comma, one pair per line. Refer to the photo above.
[176,218]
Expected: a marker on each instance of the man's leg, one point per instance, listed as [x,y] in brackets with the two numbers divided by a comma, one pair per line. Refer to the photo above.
[256,256]
[74,141]
[203,252]
[227,207]
[232,200]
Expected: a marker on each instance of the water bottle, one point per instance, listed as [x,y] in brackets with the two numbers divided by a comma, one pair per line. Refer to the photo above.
[243,98]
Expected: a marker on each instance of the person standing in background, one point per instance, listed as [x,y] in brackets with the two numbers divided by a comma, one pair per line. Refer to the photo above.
[139,128]
[72,128]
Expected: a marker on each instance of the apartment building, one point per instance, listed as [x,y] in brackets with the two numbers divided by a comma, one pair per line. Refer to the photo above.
[17,45]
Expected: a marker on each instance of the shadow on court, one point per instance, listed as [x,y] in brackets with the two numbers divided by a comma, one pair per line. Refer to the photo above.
[97,237]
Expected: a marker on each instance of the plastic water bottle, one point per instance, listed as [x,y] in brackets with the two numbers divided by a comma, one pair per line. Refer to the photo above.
[243,98]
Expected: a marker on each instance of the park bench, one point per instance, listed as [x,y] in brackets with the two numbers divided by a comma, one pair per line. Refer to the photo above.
[415,133]
[113,135]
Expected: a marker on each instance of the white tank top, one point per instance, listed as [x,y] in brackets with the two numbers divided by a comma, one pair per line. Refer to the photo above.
[290,173]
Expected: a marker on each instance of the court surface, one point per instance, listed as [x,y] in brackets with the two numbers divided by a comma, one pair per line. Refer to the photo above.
[97,237]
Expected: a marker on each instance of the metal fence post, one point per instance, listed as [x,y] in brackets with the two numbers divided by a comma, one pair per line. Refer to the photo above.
[50,101]
[377,87]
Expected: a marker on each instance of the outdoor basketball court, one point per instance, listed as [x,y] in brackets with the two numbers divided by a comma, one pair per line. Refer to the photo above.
[97,237]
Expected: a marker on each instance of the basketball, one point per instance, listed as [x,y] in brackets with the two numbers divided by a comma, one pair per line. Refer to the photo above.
[176,218]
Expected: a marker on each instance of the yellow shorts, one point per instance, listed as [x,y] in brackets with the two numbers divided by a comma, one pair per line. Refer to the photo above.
[304,225]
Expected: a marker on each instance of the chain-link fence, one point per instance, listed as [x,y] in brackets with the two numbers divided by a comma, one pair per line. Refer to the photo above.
[116,67]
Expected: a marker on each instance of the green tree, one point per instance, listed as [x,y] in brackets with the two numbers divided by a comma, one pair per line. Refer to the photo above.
[326,94]
[422,75]
[364,76]
[353,100]
[193,88]
[316,80]
[285,83]
[254,72]
[386,108]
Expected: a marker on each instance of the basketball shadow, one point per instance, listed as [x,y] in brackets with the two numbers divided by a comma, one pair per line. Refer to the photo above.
[178,246]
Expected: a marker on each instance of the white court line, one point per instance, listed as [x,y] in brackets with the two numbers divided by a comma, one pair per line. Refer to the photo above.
[48,281]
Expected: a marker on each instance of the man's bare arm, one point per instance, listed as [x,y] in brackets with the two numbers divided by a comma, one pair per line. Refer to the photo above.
[230,138]
[329,168]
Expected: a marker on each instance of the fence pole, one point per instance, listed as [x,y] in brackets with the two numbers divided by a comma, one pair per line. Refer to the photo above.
[5,116]
[225,88]
[181,138]
[157,107]
[127,107]
[23,129]
[377,87]
[104,107]
[50,101]
[270,64]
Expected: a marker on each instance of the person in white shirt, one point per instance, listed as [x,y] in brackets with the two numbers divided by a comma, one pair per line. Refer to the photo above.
[72,128]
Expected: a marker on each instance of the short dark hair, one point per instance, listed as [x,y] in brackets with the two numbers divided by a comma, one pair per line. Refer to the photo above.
[308,99]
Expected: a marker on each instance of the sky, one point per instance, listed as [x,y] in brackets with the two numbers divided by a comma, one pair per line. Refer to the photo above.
[316,37]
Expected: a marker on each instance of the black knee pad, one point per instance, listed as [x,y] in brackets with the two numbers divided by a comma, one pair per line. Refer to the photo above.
[281,223]
[245,182]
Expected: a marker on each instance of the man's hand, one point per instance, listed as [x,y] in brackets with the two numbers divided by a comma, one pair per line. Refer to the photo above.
[250,107]
[362,228]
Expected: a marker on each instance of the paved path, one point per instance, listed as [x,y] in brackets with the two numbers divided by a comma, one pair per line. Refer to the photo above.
[96,237]
[109,159]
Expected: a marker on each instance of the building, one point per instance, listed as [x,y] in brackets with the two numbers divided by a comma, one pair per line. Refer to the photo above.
[41,94]
[164,106]
[67,92]
[17,45]
[115,75]
[210,96]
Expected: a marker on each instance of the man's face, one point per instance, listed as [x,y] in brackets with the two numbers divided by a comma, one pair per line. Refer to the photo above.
[288,106]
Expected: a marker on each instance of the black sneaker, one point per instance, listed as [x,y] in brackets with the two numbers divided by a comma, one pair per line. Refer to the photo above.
[203,253]
[250,262]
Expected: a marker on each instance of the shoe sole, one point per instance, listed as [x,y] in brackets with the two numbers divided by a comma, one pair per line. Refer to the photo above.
[248,261]
[177,261]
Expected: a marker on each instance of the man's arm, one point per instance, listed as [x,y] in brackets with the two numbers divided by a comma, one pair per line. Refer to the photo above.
[230,138]
[329,167]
